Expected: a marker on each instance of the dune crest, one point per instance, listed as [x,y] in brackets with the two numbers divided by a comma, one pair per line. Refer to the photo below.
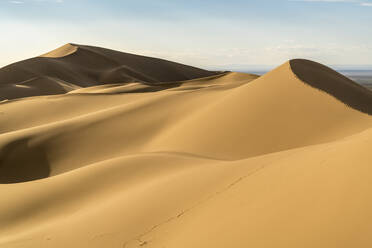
[86,66]
[142,152]
[62,51]
[334,83]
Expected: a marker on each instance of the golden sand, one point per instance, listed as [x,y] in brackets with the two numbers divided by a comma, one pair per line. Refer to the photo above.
[220,160]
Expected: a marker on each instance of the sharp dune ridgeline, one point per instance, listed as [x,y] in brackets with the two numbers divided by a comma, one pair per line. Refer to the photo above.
[100,148]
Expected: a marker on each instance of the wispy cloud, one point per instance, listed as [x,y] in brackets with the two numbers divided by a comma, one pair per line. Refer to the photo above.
[35,1]
[326,1]
[16,2]
[360,3]
[48,1]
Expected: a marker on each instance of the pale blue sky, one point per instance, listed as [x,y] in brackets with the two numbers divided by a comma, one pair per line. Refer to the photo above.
[199,32]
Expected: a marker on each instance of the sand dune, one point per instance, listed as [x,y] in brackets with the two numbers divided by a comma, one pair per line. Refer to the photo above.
[85,66]
[176,156]
[62,51]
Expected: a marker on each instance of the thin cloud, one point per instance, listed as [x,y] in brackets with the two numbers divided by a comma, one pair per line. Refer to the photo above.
[365,4]
[325,1]
[48,1]
[36,1]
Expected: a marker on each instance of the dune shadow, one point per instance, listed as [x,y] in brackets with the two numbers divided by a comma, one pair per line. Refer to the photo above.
[334,83]
[20,162]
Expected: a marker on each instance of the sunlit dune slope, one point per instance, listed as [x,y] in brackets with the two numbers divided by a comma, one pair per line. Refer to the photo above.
[272,113]
[226,160]
[62,51]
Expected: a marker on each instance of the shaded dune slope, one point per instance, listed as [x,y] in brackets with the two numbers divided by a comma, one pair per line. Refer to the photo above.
[85,66]
[334,83]
[281,160]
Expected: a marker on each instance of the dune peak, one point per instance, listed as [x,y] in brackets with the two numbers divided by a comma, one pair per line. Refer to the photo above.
[85,66]
[62,51]
[328,80]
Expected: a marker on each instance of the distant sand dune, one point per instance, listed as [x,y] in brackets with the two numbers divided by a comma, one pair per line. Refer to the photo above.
[132,151]
[61,52]
[85,66]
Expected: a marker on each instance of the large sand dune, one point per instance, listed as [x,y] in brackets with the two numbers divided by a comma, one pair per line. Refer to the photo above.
[73,66]
[175,156]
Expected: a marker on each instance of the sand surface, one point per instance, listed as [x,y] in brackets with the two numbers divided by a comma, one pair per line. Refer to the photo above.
[74,66]
[94,155]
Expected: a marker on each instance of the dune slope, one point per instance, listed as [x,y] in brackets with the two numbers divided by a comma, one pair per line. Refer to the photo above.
[84,66]
[334,83]
[227,160]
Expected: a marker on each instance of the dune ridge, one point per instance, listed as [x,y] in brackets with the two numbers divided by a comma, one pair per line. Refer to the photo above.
[63,51]
[280,160]
[334,83]
[85,66]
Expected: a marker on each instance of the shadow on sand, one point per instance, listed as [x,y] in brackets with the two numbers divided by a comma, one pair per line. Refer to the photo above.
[334,83]
[20,162]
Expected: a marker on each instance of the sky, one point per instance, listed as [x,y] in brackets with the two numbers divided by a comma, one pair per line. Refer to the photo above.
[206,33]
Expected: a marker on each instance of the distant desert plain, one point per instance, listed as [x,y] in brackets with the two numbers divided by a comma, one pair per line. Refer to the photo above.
[100,148]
